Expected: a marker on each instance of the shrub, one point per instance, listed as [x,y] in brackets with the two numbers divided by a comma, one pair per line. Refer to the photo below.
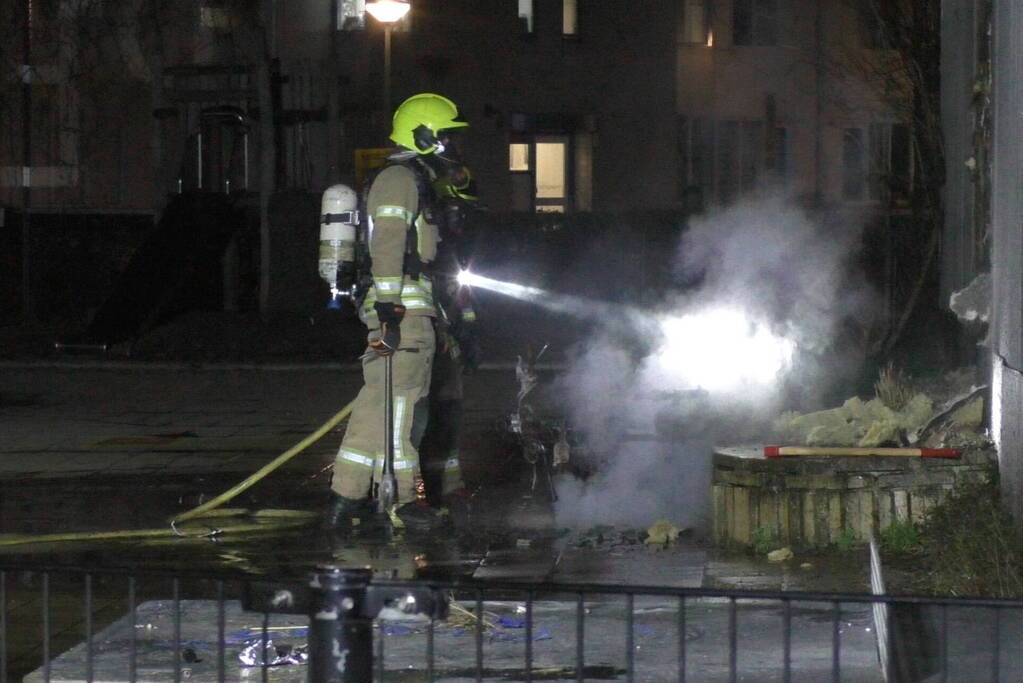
[972,545]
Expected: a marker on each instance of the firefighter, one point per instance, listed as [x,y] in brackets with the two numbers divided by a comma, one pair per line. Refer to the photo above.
[399,312]
[458,349]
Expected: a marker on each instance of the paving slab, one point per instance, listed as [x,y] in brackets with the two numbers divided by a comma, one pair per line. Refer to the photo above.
[674,566]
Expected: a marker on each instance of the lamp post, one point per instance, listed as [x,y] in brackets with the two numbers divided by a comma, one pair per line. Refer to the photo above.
[388,12]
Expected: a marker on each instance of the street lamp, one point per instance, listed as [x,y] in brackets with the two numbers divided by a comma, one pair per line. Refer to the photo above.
[388,12]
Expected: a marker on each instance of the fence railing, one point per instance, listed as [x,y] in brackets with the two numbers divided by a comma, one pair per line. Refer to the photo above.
[343,625]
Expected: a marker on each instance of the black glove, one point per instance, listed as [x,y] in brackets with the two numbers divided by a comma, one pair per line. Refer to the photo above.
[390,316]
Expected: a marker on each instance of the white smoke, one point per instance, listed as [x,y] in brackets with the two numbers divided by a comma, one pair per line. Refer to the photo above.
[764,289]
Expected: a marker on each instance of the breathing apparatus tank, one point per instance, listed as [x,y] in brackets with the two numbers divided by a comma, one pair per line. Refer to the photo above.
[339,220]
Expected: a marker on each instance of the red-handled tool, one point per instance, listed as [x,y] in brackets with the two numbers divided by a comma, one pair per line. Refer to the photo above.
[781,451]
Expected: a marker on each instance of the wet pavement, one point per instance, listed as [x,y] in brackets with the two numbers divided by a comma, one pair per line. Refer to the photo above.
[107,446]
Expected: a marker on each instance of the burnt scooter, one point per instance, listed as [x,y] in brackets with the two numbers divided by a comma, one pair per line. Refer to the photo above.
[543,441]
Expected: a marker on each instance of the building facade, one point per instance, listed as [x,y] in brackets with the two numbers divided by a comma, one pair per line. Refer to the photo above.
[574,105]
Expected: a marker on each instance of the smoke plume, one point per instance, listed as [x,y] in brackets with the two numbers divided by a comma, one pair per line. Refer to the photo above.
[758,295]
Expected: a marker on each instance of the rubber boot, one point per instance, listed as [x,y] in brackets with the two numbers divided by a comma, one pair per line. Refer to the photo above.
[418,516]
[344,514]
[458,504]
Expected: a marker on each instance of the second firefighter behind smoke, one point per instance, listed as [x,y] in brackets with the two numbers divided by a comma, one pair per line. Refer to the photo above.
[458,347]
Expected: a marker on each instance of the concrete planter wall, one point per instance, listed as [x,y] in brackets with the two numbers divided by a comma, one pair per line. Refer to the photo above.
[810,502]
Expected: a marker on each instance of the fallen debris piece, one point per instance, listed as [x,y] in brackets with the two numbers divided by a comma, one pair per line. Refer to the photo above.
[779,555]
[662,532]
[278,654]
[951,408]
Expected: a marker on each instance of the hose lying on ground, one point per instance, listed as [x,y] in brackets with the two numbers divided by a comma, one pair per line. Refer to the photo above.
[258,520]
[266,469]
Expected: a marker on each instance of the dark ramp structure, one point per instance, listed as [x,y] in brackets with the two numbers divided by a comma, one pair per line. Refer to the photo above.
[179,267]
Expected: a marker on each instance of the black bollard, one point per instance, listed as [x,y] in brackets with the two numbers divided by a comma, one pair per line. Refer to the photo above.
[340,632]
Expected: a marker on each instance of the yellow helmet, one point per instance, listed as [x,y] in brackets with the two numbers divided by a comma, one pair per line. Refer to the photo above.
[419,120]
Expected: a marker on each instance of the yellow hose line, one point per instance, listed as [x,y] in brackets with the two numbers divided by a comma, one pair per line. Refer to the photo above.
[205,531]
[266,469]
[276,519]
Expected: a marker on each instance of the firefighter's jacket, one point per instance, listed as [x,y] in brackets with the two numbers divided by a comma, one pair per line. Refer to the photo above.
[402,244]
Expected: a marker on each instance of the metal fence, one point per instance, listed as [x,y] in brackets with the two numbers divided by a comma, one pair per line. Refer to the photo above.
[343,625]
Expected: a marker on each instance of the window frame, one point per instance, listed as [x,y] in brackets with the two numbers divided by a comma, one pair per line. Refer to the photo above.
[685,34]
[527,28]
[708,146]
[574,34]
[566,201]
[886,170]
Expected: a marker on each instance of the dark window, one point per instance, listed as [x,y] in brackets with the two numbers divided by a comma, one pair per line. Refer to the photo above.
[871,27]
[776,160]
[890,162]
[755,22]
[877,163]
[901,162]
[751,159]
[853,169]
[725,159]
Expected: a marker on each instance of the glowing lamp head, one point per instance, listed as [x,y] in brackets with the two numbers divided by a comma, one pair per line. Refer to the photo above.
[388,11]
[466,278]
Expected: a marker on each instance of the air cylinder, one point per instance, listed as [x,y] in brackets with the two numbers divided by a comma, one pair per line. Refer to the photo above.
[339,217]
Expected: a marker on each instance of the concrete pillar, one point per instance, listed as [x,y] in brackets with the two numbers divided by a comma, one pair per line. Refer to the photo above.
[1007,250]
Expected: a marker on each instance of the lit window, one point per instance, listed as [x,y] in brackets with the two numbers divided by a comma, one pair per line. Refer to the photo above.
[518,156]
[569,17]
[695,27]
[526,15]
[351,15]
[550,170]
[540,174]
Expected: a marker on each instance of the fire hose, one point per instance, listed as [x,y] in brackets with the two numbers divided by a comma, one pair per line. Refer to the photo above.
[256,521]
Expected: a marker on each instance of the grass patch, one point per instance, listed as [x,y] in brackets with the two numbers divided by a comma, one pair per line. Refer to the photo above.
[846,540]
[902,538]
[763,540]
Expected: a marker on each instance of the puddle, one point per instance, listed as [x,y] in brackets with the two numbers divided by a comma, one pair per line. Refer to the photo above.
[845,572]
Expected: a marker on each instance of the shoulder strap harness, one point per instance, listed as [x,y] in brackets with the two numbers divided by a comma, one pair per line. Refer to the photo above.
[413,265]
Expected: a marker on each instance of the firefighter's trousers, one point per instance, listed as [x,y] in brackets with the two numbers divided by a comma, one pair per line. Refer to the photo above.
[439,452]
[360,460]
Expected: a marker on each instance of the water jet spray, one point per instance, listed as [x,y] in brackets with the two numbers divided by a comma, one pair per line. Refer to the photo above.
[717,348]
